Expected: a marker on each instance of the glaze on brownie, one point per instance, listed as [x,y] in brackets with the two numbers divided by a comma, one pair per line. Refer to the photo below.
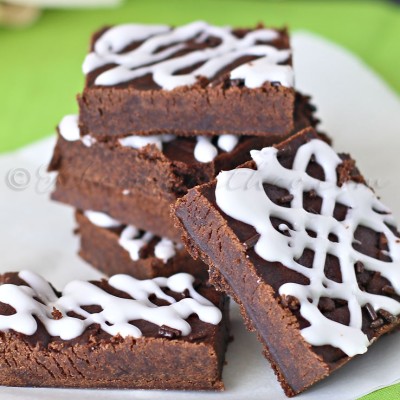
[120,333]
[141,255]
[191,80]
[274,244]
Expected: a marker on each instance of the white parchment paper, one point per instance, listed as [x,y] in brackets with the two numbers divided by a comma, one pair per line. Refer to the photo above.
[361,114]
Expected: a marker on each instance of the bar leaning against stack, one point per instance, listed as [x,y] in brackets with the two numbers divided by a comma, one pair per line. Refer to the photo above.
[308,251]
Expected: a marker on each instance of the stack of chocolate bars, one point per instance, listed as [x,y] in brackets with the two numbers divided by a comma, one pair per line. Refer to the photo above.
[158,159]
[164,110]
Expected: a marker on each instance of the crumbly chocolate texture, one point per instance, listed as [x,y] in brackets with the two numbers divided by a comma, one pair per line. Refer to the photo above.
[226,245]
[100,248]
[95,178]
[160,359]
[210,107]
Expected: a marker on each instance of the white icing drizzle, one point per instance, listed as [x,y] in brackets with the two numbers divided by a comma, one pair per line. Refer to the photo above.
[132,239]
[227,142]
[101,219]
[146,59]
[88,140]
[240,194]
[69,130]
[205,151]
[133,242]
[137,142]
[116,312]
[165,249]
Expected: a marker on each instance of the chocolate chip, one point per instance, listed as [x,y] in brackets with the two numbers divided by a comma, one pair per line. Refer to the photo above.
[375,284]
[326,304]
[383,241]
[389,290]
[363,278]
[333,238]
[285,199]
[312,193]
[56,314]
[340,302]
[359,267]
[311,233]
[290,302]
[196,336]
[387,316]
[372,313]
[168,332]
[237,82]
[251,242]
[377,323]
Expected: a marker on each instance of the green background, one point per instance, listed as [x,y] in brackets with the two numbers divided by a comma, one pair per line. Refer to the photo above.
[40,66]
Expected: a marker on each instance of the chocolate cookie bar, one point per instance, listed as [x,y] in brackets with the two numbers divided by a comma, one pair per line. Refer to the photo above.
[114,248]
[136,179]
[308,251]
[195,79]
[164,333]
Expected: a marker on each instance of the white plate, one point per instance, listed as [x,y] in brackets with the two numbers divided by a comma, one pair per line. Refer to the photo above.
[361,114]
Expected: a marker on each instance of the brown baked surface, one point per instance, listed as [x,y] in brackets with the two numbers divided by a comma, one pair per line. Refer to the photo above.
[210,107]
[100,248]
[97,360]
[226,245]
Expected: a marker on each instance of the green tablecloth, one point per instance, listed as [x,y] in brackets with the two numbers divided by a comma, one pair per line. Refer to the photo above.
[40,65]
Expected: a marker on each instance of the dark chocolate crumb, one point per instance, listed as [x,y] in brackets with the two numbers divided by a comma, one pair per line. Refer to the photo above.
[340,302]
[326,304]
[363,278]
[312,193]
[372,313]
[285,199]
[251,242]
[168,332]
[56,314]
[389,290]
[237,82]
[387,316]
[290,302]
[196,336]
[359,267]
[377,323]
[383,242]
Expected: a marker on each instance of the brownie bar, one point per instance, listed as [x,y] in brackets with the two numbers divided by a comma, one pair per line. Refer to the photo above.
[316,288]
[195,79]
[147,212]
[94,335]
[114,248]
[138,185]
